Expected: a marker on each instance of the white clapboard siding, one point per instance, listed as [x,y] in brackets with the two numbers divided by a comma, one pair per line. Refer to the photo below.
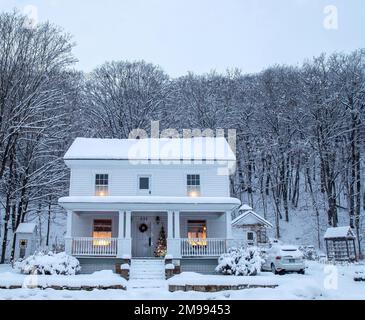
[167,180]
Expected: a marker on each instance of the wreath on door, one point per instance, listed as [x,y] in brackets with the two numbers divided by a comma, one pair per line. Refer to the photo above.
[143,227]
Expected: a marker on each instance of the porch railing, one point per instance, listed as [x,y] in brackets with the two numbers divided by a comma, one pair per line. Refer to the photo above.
[94,246]
[196,247]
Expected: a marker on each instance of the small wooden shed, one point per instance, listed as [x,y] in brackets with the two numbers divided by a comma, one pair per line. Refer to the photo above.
[250,226]
[340,244]
[26,236]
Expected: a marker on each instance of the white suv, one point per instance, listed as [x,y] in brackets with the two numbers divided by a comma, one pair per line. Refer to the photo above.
[282,258]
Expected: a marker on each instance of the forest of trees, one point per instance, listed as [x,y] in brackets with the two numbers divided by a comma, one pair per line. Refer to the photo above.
[300,130]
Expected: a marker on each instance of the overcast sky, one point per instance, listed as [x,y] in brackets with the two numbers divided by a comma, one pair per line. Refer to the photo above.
[201,35]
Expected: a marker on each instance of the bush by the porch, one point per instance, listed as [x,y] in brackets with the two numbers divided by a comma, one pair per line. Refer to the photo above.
[240,262]
[48,264]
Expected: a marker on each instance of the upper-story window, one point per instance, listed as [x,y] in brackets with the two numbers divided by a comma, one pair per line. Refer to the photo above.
[193,185]
[101,184]
[144,184]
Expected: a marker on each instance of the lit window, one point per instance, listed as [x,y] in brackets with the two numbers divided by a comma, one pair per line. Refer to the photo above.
[102,232]
[193,185]
[101,185]
[197,232]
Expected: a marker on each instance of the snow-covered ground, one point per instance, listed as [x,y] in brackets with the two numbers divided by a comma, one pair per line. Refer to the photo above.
[320,282]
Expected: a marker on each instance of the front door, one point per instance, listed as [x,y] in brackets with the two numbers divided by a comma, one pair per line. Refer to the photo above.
[142,245]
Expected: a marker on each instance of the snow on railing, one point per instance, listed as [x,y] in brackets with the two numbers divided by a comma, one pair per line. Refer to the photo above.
[94,246]
[191,247]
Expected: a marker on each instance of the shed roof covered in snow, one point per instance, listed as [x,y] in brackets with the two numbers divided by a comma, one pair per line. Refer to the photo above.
[200,148]
[339,232]
[249,217]
[245,207]
[26,228]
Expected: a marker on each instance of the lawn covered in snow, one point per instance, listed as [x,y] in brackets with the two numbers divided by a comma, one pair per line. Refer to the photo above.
[105,278]
[320,282]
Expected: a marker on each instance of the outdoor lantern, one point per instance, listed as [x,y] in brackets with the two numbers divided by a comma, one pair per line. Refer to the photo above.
[158,220]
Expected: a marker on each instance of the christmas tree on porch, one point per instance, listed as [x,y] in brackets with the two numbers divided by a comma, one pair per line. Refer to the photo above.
[160,250]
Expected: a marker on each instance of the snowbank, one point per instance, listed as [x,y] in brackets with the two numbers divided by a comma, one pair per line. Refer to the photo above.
[196,279]
[100,279]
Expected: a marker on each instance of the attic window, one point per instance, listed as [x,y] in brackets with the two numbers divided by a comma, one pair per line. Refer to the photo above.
[101,184]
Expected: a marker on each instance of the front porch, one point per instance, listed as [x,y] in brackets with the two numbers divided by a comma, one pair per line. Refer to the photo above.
[127,233]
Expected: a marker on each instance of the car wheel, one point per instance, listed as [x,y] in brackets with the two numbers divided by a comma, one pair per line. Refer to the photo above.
[301,271]
[273,269]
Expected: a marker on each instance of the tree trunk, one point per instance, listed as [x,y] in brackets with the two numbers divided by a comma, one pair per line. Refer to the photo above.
[48,223]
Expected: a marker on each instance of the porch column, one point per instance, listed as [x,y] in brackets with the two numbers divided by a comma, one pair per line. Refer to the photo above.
[121,225]
[173,243]
[177,224]
[128,224]
[68,236]
[124,250]
[228,225]
[170,227]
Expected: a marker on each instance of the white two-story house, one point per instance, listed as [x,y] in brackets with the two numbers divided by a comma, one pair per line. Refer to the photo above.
[127,195]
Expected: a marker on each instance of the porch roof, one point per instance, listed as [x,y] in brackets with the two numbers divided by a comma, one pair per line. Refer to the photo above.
[148,202]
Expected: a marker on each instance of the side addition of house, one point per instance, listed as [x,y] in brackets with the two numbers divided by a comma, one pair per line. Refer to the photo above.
[127,196]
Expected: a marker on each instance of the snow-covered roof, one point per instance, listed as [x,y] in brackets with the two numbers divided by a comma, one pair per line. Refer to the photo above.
[200,148]
[245,207]
[26,228]
[339,232]
[148,199]
[250,217]
[287,247]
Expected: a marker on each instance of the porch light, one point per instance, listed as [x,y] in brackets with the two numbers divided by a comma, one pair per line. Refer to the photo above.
[100,194]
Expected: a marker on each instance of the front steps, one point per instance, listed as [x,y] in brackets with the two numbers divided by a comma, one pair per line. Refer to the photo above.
[147,274]
[147,269]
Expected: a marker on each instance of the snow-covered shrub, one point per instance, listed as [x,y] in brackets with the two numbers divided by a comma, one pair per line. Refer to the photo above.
[309,252]
[50,263]
[240,262]
[226,264]
[249,263]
